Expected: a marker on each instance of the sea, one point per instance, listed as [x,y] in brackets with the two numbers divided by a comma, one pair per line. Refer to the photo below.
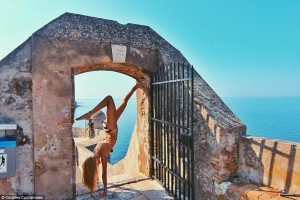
[269,117]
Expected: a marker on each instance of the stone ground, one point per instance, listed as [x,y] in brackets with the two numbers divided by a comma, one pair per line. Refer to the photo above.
[123,187]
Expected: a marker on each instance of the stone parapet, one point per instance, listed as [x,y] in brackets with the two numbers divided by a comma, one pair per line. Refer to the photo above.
[270,162]
[242,190]
[78,132]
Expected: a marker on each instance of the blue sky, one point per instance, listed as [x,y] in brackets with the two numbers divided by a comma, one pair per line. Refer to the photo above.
[241,48]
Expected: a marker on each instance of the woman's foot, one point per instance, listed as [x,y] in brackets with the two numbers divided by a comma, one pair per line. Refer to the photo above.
[86,116]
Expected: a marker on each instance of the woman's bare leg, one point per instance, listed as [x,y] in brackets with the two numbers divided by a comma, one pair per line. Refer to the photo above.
[111,119]
[123,104]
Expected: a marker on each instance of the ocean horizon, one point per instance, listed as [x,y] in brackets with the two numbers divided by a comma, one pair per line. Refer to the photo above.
[269,117]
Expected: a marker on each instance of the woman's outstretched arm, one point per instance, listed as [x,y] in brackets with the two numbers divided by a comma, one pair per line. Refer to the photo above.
[104,176]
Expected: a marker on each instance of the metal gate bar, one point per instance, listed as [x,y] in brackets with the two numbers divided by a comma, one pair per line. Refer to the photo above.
[172,129]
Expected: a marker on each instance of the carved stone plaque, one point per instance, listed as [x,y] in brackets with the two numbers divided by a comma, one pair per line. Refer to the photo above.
[118,53]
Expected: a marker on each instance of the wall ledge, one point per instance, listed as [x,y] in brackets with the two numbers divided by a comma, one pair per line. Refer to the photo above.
[242,189]
[251,137]
[271,162]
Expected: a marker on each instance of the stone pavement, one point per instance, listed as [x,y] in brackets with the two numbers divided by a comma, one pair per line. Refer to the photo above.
[123,187]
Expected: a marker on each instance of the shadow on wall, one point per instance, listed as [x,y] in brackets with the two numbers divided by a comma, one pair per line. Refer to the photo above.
[271,162]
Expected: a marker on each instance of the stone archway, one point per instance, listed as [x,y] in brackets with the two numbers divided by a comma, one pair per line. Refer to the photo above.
[140,133]
[55,62]
[137,157]
[38,95]
[53,93]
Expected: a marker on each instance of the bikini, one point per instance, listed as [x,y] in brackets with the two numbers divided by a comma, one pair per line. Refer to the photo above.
[114,131]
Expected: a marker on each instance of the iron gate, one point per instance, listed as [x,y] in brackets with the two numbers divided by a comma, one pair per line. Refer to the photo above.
[172,129]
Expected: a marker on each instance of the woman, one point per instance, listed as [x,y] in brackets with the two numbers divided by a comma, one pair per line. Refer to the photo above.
[105,147]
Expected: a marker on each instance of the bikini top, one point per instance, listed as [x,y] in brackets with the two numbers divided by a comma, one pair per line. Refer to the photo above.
[108,130]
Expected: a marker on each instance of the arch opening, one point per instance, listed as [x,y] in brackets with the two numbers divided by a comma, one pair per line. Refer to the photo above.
[90,89]
[133,124]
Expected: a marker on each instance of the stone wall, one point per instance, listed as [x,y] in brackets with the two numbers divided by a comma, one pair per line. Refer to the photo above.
[84,132]
[216,141]
[16,108]
[80,132]
[52,93]
[138,154]
[55,61]
[270,162]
